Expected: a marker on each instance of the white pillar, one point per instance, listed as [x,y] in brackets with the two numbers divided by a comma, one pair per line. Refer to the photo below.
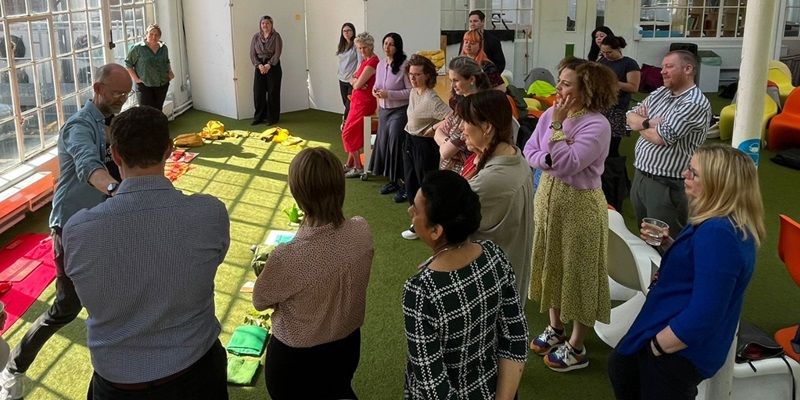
[756,50]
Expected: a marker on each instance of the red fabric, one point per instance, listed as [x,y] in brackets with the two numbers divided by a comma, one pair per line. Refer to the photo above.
[470,169]
[362,104]
[32,246]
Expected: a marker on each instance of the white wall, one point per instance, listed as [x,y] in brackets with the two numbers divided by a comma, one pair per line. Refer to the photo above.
[325,19]
[210,51]
[289,20]
[168,15]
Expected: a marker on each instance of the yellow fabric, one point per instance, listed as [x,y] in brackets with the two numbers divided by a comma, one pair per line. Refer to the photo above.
[728,114]
[436,56]
[213,130]
[534,104]
[188,140]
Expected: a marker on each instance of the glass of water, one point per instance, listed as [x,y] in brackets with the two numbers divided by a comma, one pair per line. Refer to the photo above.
[654,230]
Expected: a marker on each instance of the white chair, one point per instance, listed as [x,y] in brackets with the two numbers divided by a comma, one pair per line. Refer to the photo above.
[631,264]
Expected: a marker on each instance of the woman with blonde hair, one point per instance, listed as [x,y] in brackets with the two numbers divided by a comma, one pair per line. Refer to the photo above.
[317,285]
[685,328]
[149,68]
[266,48]
[362,103]
[570,145]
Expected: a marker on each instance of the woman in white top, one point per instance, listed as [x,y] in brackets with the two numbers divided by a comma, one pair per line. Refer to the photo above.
[348,62]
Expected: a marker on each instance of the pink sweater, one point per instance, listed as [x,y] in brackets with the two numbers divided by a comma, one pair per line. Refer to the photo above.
[579,164]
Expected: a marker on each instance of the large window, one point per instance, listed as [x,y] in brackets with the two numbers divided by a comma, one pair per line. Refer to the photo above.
[692,18]
[49,50]
[792,27]
[515,15]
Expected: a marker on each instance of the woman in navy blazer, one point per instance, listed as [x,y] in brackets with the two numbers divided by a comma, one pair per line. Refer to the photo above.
[686,326]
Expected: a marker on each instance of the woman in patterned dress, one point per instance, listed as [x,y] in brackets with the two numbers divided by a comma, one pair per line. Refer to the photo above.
[465,328]
[570,145]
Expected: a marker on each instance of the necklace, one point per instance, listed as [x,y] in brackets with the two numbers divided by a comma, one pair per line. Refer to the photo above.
[436,254]
[577,114]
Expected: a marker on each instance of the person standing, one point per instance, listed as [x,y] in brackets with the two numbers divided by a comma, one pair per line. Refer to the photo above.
[160,268]
[598,34]
[349,58]
[672,123]
[392,89]
[149,67]
[83,182]
[265,54]
[363,103]
[491,45]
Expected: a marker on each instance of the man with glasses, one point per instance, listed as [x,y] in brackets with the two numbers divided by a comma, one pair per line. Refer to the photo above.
[672,123]
[84,182]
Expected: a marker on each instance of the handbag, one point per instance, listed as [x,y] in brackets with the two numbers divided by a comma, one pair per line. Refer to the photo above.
[754,344]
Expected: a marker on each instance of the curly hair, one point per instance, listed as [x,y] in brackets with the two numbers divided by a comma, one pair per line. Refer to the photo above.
[428,69]
[596,83]
[366,39]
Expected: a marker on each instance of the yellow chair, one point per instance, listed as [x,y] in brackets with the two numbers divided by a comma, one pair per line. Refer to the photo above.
[782,76]
[727,114]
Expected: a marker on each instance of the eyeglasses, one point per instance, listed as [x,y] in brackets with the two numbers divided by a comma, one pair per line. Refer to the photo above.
[119,95]
[692,172]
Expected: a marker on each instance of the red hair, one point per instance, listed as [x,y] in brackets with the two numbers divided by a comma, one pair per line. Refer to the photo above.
[474,36]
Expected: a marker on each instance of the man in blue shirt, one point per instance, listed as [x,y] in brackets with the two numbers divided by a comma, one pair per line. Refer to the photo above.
[152,330]
[83,182]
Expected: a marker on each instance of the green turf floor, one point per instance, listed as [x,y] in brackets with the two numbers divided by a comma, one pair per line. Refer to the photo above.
[250,175]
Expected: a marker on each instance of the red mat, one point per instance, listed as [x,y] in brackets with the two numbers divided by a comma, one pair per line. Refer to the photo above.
[30,249]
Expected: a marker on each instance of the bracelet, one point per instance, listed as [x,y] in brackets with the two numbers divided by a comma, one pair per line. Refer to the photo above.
[658,346]
[557,136]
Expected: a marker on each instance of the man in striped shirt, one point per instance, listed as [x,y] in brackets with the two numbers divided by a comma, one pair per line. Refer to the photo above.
[672,122]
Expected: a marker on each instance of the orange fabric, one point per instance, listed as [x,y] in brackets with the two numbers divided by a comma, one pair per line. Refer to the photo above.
[789,246]
[784,338]
[514,110]
[784,129]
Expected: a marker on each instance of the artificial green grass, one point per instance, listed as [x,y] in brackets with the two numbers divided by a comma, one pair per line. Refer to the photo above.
[250,175]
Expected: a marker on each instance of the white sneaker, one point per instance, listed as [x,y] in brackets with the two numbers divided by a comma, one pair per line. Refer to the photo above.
[11,385]
[409,233]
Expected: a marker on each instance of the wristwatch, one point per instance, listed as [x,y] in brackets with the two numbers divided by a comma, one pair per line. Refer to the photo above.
[556,125]
[112,187]
[646,123]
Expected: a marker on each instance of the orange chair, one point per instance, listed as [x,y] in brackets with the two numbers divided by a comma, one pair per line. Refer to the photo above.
[789,252]
[784,128]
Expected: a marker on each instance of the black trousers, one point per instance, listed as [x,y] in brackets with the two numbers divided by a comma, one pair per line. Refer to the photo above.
[65,309]
[420,156]
[267,95]
[320,372]
[152,96]
[645,376]
[205,379]
[345,89]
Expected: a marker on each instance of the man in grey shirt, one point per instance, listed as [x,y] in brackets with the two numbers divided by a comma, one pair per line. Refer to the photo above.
[149,289]
[83,182]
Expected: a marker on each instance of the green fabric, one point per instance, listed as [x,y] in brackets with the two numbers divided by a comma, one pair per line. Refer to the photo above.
[248,340]
[242,370]
[152,68]
[541,88]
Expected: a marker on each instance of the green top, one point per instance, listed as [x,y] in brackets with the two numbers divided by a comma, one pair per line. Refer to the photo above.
[152,68]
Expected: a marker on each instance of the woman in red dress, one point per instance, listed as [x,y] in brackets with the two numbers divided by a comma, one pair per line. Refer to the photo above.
[362,103]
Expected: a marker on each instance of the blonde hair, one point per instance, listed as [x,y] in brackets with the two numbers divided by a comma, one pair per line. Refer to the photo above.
[153,27]
[730,189]
[366,39]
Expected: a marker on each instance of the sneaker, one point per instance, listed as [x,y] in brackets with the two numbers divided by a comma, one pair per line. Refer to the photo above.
[346,168]
[565,358]
[354,173]
[400,196]
[390,187]
[11,385]
[409,234]
[547,341]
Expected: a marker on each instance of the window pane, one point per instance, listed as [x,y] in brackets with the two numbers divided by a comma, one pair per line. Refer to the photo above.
[85,95]
[113,3]
[79,31]
[41,40]
[13,7]
[37,6]
[67,77]
[70,105]
[97,58]
[6,103]
[9,152]
[95,29]
[27,89]
[51,124]
[58,5]
[127,1]
[792,27]
[44,74]
[93,4]
[62,35]
[77,5]
[3,57]
[30,133]
[83,69]
[21,42]
[119,53]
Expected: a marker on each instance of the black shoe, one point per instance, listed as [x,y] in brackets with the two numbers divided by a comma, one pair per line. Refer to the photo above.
[256,122]
[400,197]
[390,187]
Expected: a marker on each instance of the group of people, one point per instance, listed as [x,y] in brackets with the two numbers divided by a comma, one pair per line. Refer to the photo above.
[495,240]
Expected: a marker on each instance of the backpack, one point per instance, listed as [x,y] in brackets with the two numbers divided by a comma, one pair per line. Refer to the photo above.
[651,78]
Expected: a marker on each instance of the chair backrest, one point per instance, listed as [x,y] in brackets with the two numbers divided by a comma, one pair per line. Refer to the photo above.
[630,259]
[539,74]
[789,246]
[792,104]
[780,66]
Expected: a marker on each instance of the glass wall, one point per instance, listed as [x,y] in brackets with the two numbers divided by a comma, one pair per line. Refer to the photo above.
[48,52]
[692,18]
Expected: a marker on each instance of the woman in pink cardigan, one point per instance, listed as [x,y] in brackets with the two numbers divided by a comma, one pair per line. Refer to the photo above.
[569,145]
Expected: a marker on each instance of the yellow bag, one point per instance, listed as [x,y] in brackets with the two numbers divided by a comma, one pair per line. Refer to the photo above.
[188,140]
[213,130]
